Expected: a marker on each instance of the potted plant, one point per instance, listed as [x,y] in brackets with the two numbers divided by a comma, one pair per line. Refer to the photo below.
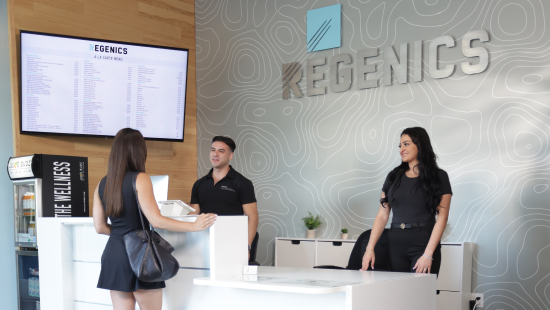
[344,233]
[312,223]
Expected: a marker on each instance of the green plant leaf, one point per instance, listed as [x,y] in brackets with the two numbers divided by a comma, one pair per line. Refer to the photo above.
[312,222]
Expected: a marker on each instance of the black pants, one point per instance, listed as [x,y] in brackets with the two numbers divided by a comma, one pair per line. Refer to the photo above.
[408,245]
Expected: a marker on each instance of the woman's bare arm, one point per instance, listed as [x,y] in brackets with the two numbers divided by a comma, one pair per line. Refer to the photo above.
[100,220]
[440,225]
[197,208]
[377,229]
[152,213]
[424,263]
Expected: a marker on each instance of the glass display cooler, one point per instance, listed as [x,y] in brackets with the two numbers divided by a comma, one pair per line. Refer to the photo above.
[27,200]
[28,288]
[43,186]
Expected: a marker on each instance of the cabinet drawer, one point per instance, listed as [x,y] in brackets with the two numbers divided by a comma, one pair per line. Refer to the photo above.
[295,253]
[451,268]
[448,300]
[334,253]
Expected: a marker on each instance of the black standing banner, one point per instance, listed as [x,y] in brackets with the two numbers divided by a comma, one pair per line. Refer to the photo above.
[64,186]
[64,182]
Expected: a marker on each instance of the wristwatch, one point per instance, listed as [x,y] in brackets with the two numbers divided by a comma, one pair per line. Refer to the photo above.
[249,247]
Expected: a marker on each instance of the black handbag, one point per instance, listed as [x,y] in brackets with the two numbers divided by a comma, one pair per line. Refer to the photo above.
[150,255]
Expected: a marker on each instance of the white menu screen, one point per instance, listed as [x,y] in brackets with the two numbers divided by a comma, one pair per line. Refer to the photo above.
[91,87]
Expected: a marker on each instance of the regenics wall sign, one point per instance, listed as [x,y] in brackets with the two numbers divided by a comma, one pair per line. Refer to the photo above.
[324,32]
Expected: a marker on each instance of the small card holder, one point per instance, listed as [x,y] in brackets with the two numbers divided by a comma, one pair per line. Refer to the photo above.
[250,270]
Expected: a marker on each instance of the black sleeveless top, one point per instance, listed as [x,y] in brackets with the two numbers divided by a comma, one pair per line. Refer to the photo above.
[129,219]
[116,273]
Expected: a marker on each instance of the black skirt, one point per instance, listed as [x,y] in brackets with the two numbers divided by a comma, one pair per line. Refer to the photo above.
[116,272]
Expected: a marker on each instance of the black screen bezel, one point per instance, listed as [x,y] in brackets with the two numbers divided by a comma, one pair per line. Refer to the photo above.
[21,131]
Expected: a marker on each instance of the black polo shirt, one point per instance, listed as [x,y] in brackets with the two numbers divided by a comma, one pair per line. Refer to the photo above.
[227,197]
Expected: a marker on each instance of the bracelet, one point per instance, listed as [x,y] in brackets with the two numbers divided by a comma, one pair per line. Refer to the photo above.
[427,256]
[369,252]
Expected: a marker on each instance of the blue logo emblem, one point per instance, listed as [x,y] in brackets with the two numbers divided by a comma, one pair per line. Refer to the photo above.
[324,28]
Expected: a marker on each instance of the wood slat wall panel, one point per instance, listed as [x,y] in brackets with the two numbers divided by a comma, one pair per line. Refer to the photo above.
[159,22]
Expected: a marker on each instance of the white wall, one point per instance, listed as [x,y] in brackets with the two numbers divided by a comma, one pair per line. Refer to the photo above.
[8,291]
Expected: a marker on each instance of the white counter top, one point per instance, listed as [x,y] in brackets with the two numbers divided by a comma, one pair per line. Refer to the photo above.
[289,288]
[305,280]
[316,239]
[90,220]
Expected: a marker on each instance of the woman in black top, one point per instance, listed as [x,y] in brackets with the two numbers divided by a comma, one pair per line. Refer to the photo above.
[416,191]
[114,198]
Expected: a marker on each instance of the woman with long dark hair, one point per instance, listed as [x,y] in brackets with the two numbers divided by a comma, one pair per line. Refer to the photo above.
[114,198]
[417,192]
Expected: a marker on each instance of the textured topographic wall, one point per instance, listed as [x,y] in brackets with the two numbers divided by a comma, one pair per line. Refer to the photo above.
[329,154]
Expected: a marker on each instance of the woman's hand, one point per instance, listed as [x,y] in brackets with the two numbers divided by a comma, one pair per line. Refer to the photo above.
[368,259]
[423,265]
[204,221]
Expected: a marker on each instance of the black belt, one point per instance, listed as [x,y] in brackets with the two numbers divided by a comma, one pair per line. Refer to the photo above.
[412,225]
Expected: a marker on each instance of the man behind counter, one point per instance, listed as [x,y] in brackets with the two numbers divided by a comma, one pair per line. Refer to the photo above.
[223,190]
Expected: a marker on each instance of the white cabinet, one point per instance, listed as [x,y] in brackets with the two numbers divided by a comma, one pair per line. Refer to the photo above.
[448,300]
[295,253]
[335,253]
[303,252]
[455,276]
[450,274]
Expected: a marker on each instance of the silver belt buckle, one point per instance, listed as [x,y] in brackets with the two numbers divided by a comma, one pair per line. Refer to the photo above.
[402,225]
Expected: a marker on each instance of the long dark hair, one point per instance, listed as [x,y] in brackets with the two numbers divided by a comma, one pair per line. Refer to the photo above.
[428,178]
[128,153]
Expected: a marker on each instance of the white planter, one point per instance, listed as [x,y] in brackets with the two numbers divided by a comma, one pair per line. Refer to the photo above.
[344,236]
[310,234]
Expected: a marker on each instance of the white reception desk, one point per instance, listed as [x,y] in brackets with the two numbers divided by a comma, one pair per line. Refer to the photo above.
[210,276]
[307,288]
[70,260]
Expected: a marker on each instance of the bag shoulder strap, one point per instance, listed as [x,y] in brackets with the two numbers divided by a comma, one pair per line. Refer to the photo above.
[137,202]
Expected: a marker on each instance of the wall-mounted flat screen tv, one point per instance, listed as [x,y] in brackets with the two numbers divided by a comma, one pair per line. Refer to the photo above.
[90,87]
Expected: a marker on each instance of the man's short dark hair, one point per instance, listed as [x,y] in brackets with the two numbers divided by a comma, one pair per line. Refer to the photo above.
[227,141]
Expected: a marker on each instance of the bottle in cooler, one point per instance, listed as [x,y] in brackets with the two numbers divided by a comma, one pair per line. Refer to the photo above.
[32,229]
[35,286]
[31,286]
[32,202]
[26,211]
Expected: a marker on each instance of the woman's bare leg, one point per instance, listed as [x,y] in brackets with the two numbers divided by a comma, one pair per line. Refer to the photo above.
[149,299]
[123,300]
